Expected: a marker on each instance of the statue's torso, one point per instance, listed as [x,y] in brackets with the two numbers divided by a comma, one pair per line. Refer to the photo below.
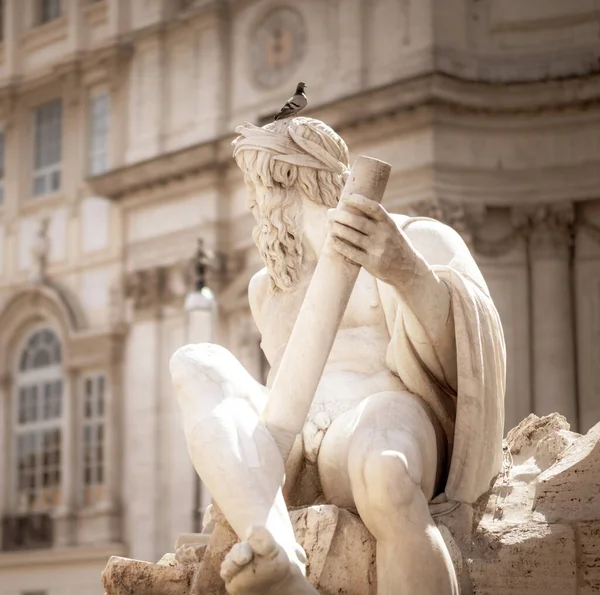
[356,367]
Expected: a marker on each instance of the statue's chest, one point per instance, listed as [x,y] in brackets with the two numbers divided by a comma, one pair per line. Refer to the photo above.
[280,310]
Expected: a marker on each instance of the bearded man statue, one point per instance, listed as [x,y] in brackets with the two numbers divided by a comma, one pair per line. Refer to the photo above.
[410,405]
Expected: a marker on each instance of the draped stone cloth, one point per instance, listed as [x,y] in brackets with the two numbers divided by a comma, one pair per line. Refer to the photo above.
[472,412]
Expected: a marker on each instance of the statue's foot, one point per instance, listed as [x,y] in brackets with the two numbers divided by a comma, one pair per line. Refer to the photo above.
[259,566]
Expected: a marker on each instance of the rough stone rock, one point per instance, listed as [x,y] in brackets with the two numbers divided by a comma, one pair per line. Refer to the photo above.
[126,577]
[589,544]
[526,538]
[530,558]
[314,528]
[570,489]
[207,579]
[528,434]
[350,566]
[537,531]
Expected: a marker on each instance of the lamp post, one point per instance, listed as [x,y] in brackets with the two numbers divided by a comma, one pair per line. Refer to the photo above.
[202,298]
[198,304]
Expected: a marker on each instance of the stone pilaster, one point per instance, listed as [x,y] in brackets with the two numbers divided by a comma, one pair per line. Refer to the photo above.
[11,34]
[118,69]
[74,10]
[74,152]
[150,293]
[5,443]
[587,300]
[64,514]
[117,17]
[550,231]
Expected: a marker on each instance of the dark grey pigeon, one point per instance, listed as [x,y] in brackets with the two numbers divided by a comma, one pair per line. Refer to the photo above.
[294,104]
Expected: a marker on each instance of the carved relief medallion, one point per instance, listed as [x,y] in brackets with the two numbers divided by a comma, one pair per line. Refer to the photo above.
[277,46]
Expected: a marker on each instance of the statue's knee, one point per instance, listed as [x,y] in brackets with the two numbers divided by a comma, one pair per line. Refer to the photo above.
[206,358]
[203,363]
[388,481]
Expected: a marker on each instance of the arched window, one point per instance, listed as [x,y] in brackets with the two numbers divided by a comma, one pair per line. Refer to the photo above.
[38,422]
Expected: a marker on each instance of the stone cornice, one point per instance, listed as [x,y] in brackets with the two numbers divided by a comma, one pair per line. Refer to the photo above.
[163,169]
[117,52]
[434,93]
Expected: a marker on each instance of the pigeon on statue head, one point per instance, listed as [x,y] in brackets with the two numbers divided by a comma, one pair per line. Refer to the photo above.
[294,104]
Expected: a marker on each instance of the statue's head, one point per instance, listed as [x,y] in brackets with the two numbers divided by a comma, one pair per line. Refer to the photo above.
[284,163]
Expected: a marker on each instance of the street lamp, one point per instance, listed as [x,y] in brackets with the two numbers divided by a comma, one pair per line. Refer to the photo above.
[202,298]
[198,303]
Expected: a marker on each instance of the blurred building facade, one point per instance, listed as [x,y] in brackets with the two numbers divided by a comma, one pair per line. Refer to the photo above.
[116,119]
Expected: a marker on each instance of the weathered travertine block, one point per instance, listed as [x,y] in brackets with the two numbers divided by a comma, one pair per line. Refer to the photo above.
[570,489]
[314,528]
[501,546]
[532,430]
[350,567]
[528,559]
[589,552]
[126,577]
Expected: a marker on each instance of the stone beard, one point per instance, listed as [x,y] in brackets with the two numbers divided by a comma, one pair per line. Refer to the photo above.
[278,237]
[283,162]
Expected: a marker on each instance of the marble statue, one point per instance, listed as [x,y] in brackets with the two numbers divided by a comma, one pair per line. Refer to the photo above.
[409,406]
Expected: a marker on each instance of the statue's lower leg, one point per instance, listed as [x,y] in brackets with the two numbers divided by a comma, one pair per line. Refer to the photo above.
[233,452]
[393,466]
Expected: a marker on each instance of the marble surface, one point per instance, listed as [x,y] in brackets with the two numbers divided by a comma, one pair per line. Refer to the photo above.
[401,405]
[505,543]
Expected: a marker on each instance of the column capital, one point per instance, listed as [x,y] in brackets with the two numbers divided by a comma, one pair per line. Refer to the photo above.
[463,217]
[147,288]
[548,227]
[152,288]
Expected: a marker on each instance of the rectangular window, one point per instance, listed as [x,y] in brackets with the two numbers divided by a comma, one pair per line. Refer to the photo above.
[47,10]
[94,389]
[1,167]
[38,465]
[47,148]
[99,110]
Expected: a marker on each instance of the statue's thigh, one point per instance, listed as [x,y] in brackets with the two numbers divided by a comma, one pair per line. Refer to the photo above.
[385,428]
